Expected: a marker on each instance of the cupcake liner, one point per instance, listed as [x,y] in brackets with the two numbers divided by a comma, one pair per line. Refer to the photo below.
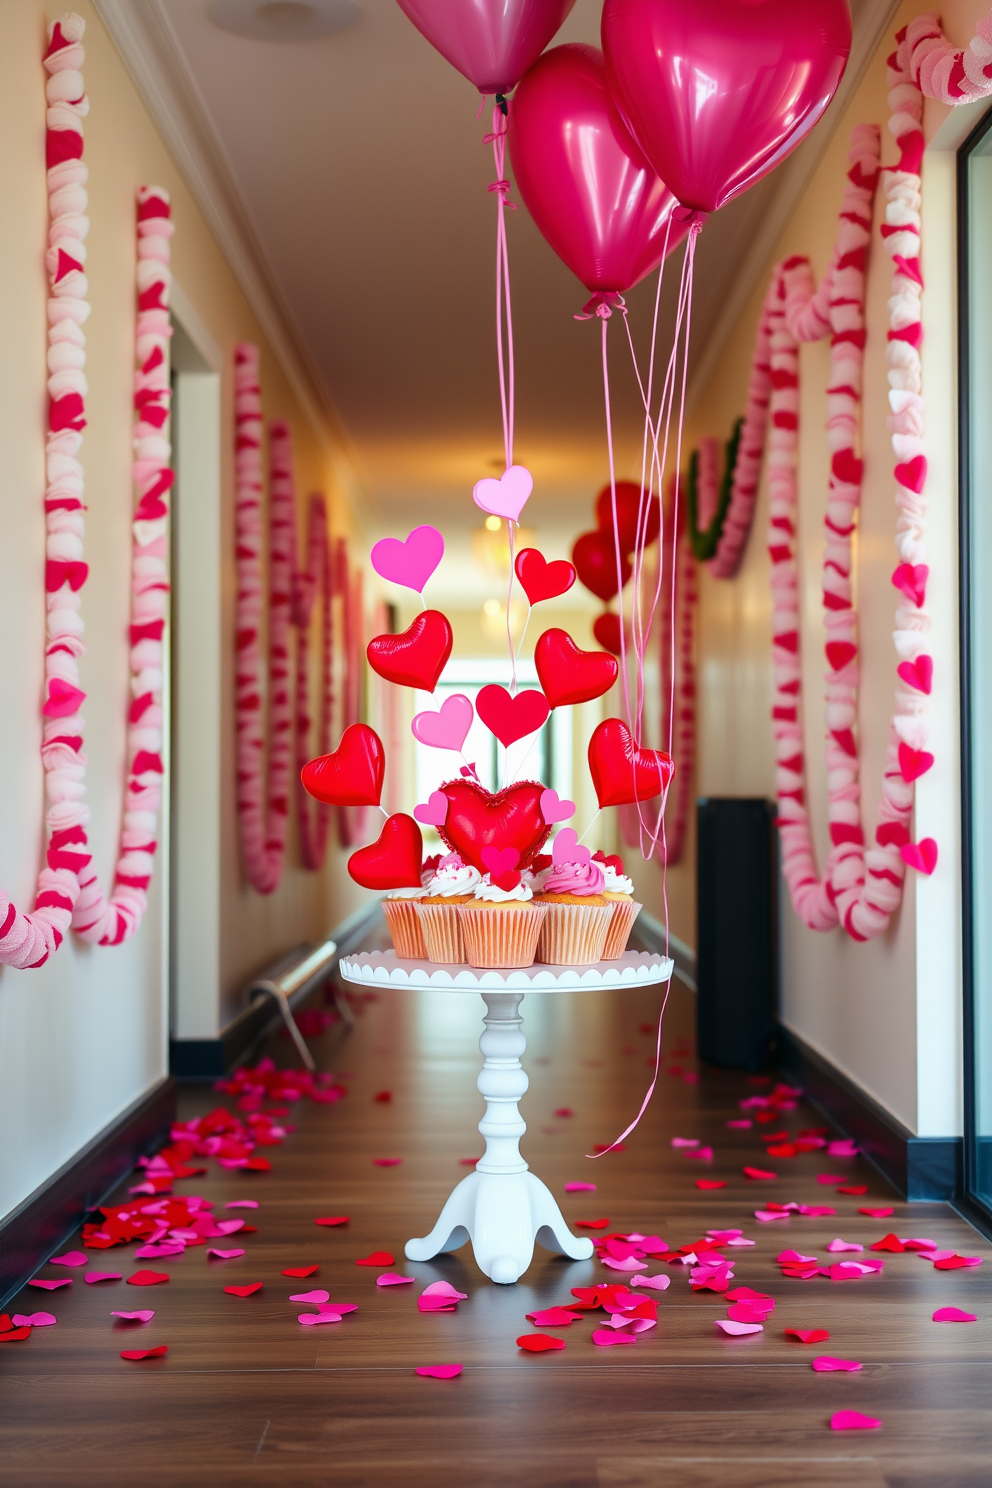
[573,934]
[501,938]
[624,913]
[442,932]
[404,927]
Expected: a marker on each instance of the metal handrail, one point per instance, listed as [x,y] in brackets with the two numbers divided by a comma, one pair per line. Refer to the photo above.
[282,987]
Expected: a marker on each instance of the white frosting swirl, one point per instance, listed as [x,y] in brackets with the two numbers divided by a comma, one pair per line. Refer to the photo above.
[492,894]
[616,883]
[406,893]
[453,877]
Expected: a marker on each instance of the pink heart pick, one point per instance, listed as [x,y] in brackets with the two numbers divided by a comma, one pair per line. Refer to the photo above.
[144,1316]
[851,1420]
[566,848]
[553,809]
[410,562]
[507,496]
[500,859]
[448,728]
[439,1371]
[435,812]
[920,855]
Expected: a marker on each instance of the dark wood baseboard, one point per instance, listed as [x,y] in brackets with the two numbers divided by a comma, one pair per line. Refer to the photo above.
[44,1221]
[919,1167]
[210,1059]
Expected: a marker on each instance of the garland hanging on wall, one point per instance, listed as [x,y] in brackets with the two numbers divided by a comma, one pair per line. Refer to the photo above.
[263,788]
[68,890]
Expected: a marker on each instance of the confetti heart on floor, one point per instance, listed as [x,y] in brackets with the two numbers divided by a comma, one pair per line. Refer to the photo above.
[580,1188]
[332,1220]
[825,1364]
[377,1258]
[658,1283]
[242,1204]
[150,1278]
[387,1162]
[71,1258]
[51,1286]
[954,1315]
[145,1315]
[152,1353]
[852,1420]
[14,1335]
[710,1183]
[592,1224]
[316,1296]
[877,1213]
[738,1330]
[554,1317]
[439,1371]
[392,1278]
[93,1277]
[440,1296]
[539,1343]
[808,1335]
[244,1291]
[224,1255]
[301,1271]
[761,1175]
[606,1337]
[33,1320]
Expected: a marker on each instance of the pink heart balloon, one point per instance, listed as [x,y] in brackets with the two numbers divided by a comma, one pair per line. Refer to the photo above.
[507,496]
[491,42]
[718,92]
[448,728]
[435,812]
[410,562]
[582,178]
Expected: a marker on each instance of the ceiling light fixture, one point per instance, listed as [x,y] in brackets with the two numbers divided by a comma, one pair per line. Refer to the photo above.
[284,20]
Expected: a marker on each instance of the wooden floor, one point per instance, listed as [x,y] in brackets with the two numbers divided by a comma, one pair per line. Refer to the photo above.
[247,1395]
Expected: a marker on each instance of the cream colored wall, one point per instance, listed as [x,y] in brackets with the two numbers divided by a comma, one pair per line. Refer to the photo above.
[888,1012]
[87,1034]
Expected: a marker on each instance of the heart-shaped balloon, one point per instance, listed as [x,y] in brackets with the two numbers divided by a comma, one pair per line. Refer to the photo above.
[622,773]
[718,92]
[410,562]
[569,675]
[540,579]
[511,718]
[448,728]
[417,656]
[595,559]
[352,775]
[394,860]
[583,179]
[606,629]
[507,496]
[491,42]
[477,818]
[628,512]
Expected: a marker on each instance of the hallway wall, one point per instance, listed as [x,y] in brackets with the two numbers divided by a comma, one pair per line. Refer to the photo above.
[886,1012]
[87,1034]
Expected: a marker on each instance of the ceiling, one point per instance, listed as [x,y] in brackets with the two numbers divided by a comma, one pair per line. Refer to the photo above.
[347,179]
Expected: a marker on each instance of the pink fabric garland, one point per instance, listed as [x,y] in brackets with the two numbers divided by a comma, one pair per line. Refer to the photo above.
[313,817]
[67,883]
[750,457]
[935,67]
[860,889]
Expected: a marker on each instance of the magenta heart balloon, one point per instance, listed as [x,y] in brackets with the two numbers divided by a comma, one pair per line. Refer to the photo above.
[583,179]
[717,92]
[491,42]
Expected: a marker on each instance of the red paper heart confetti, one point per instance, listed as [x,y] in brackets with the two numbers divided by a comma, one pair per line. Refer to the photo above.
[331,1221]
[14,1335]
[539,1343]
[759,1174]
[854,1188]
[956,1263]
[591,1224]
[152,1353]
[608,1337]
[92,1277]
[145,1315]
[302,1271]
[391,1278]
[554,1317]
[383,1097]
[920,855]
[149,1278]
[244,1291]
[439,1371]
[808,1335]
[387,1162]
[877,1213]
[377,1258]
[710,1183]
[917,674]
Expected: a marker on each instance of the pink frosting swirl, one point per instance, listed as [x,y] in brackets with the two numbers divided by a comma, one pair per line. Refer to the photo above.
[575,878]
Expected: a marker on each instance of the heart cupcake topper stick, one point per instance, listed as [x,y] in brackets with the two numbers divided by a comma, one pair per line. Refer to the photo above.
[435,812]
[553,809]
[500,859]
[566,848]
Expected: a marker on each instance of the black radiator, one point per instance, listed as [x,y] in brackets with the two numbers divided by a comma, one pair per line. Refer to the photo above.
[736,940]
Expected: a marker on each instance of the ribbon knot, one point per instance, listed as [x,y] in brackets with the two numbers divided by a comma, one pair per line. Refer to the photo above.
[602,304]
[503,188]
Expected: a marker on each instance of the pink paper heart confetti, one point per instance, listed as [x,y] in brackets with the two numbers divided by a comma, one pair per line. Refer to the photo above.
[314,1319]
[50,1286]
[242,1204]
[410,561]
[316,1296]
[439,1371]
[505,497]
[685,1142]
[657,1283]
[839,1245]
[71,1258]
[954,1315]
[145,1315]
[738,1330]
[606,1337]
[222,1255]
[825,1364]
[435,812]
[392,1278]
[629,1264]
[553,809]
[580,1188]
[92,1277]
[33,1320]
[852,1420]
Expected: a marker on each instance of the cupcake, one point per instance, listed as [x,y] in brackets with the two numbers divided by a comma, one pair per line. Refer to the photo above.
[452,884]
[501,926]
[536,872]
[578,914]
[618,890]
[400,908]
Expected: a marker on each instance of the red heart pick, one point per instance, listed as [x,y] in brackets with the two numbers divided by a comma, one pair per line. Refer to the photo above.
[510,818]
[606,629]
[416,657]
[628,505]
[595,559]
[540,579]
[913,762]
[569,675]
[393,860]
[620,771]
[917,674]
[511,718]
[352,775]
[839,653]
[920,855]
[911,580]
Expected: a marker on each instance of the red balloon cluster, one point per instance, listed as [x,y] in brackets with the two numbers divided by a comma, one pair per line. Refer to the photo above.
[595,553]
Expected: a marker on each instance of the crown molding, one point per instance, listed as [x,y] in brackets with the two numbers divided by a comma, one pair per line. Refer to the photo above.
[790,181]
[144,36]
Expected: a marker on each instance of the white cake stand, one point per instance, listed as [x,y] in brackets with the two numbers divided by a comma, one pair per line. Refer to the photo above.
[502,1207]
